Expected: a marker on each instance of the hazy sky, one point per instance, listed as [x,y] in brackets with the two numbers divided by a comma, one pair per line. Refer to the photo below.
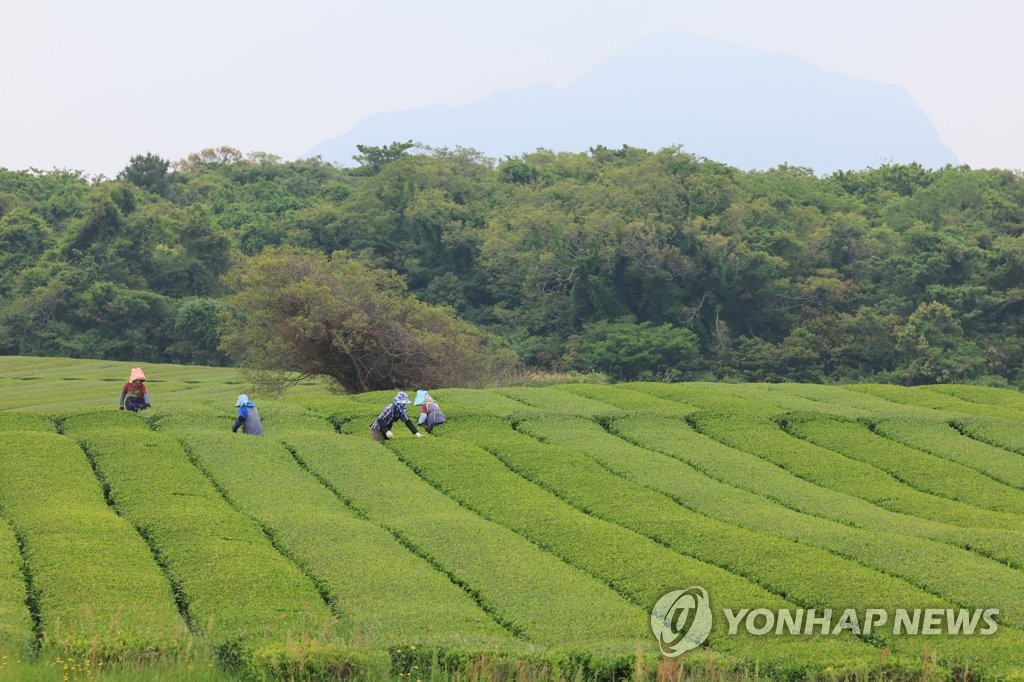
[87,84]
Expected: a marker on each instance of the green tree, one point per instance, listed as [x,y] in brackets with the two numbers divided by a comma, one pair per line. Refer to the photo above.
[148,172]
[306,313]
[113,322]
[24,237]
[196,333]
[794,358]
[932,348]
[372,159]
[628,351]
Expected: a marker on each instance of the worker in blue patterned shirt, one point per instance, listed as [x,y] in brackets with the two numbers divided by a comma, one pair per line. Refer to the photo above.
[380,429]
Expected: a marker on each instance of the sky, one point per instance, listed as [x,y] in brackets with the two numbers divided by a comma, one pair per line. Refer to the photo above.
[86,85]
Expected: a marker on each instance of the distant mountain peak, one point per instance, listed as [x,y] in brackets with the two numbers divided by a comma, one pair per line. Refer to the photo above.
[748,108]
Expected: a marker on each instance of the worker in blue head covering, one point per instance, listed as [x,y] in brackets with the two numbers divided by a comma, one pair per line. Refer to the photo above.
[380,429]
[430,412]
[248,417]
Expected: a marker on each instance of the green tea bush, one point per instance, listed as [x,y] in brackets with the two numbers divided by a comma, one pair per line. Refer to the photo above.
[943,440]
[552,400]
[996,431]
[23,421]
[914,468]
[360,568]
[707,396]
[842,401]
[525,589]
[122,420]
[626,399]
[942,402]
[753,474]
[637,566]
[950,572]
[460,401]
[95,584]
[1001,397]
[239,592]
[831,470]
[195,416]
[16,636]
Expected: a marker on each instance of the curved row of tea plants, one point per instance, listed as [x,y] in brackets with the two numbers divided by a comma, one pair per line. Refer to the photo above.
[361,569]
[95,586]
[836,472]
[547,603]
[942,439]
[253,606]
[951,573]
[525,539]
[763,478]
[582,482]
[916,469]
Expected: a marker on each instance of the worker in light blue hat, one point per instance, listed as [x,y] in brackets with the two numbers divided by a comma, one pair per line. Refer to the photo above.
[430,412]
[380,429]
[248,417]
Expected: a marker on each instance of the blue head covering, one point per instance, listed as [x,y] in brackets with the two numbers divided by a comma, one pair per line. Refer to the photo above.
[421,396]
[401,398]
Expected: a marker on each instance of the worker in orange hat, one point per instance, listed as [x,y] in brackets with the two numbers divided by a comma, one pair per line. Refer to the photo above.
[134,395]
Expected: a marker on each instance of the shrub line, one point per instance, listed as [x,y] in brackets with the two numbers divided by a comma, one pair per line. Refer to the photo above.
[754,579]
[31,596]
[788,427]
[321,587]
[897,510]
[547,550]
[473,594]
[180,600]
[913,581]
[959,425]
[943,537]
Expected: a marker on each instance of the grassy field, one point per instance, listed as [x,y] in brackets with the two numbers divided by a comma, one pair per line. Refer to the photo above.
[526,539]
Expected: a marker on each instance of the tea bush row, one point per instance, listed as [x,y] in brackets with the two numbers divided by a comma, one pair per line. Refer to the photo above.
[915,468]
[996,431]
[836,472]
[635,565]
[533,594]
[238,591]
[386,595]
[943,440]
[95,584]
[764,479]
[959,576]
[764,558]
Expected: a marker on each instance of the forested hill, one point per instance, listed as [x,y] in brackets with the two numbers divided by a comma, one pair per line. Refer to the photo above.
[637,264]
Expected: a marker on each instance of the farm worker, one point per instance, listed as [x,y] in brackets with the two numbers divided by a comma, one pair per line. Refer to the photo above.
[134,395]
[248,417]
[430,412]
[380,429]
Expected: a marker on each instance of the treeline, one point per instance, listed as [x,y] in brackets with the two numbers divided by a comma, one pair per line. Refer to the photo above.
[636,264]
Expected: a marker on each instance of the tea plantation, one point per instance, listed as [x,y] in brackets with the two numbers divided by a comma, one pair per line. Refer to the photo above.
[527,538]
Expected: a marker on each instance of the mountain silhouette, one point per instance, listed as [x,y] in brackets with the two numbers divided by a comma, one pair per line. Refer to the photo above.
[744,107]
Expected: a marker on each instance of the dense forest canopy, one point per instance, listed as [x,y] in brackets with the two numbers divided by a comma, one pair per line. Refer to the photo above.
[637,264]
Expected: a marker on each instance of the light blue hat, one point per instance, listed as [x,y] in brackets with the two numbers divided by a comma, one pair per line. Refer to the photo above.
[421,396]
